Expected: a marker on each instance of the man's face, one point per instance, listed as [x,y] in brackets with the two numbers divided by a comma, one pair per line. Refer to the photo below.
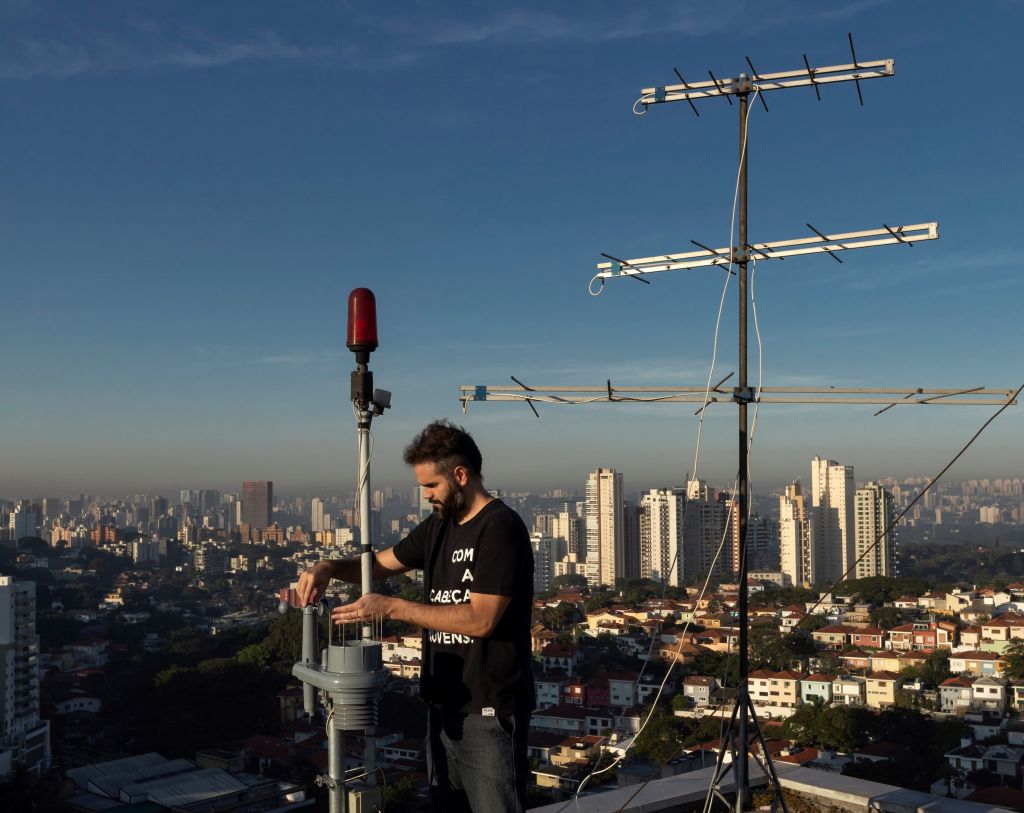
[445,495]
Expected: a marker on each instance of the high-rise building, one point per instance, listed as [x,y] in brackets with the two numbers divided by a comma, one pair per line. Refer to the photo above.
[320,520]
[832,520]
[157,508]
[661,535]
[257,503]
[631,540]
[570,528]
[24,738]
[209,501]
[52,507]
[795,554]
[874,511]
[547,551]
[24,522]
[605,533]
[704,531]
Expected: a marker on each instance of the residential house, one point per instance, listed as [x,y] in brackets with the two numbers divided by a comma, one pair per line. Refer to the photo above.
[971,636]
[975,662]
[577,750]
[849,690]
[550,691]
[575,692]
[997,633]
[698,689]
[775,689]
[881,688]
[856,660]
[649,684]
[955,694]
[834,636]
[871,637]
[989,694]
[540,637]
[1005,761]
[1015,695]
[566,658]
[967,757]
[885,662]
[905,603]
[570,719]
[817,688]
[622,690]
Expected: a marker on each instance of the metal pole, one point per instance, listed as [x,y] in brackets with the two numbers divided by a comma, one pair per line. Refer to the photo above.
[366,544]
[309,656]
[742,780]
[366,563]
[337,793]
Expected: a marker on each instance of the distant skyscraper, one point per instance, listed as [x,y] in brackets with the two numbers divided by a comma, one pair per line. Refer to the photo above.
[320,520]
[874,509]
[24,522]
[209,501]
[547,551]
[157,508]
[257,503]
[569,527]
[605,533]
[661,535]
[794,551]
[704,529]
[832,521]
[23,735]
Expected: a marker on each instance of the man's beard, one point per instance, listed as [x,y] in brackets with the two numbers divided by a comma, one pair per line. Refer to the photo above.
[453,503]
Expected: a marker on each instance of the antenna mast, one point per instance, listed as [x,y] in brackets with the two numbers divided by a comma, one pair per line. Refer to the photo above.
[738,256]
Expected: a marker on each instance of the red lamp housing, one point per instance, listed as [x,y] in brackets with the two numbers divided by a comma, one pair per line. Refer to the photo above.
[362,321]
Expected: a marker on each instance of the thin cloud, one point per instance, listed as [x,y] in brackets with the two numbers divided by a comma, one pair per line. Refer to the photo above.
[58,57]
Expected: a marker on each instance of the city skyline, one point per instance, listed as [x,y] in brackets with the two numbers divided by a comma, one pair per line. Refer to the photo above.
[191,196]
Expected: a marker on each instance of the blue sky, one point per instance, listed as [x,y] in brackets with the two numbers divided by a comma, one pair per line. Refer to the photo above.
[191,190]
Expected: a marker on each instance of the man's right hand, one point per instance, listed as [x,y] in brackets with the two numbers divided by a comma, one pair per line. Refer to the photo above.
[313,583]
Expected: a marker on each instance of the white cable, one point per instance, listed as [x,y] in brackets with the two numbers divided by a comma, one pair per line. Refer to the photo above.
[590,285]
[725,287]
[637,103]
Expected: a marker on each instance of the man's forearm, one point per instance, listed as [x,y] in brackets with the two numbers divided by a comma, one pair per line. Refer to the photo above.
[458,618]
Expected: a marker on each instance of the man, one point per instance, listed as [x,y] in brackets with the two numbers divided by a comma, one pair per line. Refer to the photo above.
[477,565]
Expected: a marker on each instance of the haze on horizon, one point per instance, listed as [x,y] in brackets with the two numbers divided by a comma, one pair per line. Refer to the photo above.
[191,195]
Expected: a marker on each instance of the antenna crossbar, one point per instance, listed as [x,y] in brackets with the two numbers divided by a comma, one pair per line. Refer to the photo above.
[573,395]
[781,80]
[776,250]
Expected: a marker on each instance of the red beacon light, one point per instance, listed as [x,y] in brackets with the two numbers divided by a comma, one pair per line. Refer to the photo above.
[362,321]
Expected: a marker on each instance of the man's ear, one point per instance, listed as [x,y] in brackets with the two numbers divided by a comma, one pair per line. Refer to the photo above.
[461,475]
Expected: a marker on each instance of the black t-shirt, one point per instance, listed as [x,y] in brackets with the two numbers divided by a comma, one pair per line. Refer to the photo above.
[491,553]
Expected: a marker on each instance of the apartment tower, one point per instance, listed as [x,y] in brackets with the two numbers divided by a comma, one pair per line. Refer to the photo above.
[605,532]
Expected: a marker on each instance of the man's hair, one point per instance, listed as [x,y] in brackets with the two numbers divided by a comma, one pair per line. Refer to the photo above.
[446,446]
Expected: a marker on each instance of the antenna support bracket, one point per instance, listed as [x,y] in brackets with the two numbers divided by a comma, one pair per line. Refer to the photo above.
[743,395]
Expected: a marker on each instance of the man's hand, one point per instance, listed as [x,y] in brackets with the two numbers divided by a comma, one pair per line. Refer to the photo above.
[313,583]
[367,607]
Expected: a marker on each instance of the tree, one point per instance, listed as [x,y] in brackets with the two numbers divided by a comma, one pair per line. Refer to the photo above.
[1013,655]
[886,617]
[570,580]
[659,741]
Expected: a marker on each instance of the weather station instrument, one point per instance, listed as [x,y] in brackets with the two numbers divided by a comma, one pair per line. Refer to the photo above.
[348,676]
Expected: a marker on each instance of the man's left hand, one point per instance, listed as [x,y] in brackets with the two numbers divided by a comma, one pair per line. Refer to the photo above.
[367,608]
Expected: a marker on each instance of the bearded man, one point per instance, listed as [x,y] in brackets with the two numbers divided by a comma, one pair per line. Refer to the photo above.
[477,565]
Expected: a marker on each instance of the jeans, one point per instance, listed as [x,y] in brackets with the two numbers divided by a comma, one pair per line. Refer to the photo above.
[477,763]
